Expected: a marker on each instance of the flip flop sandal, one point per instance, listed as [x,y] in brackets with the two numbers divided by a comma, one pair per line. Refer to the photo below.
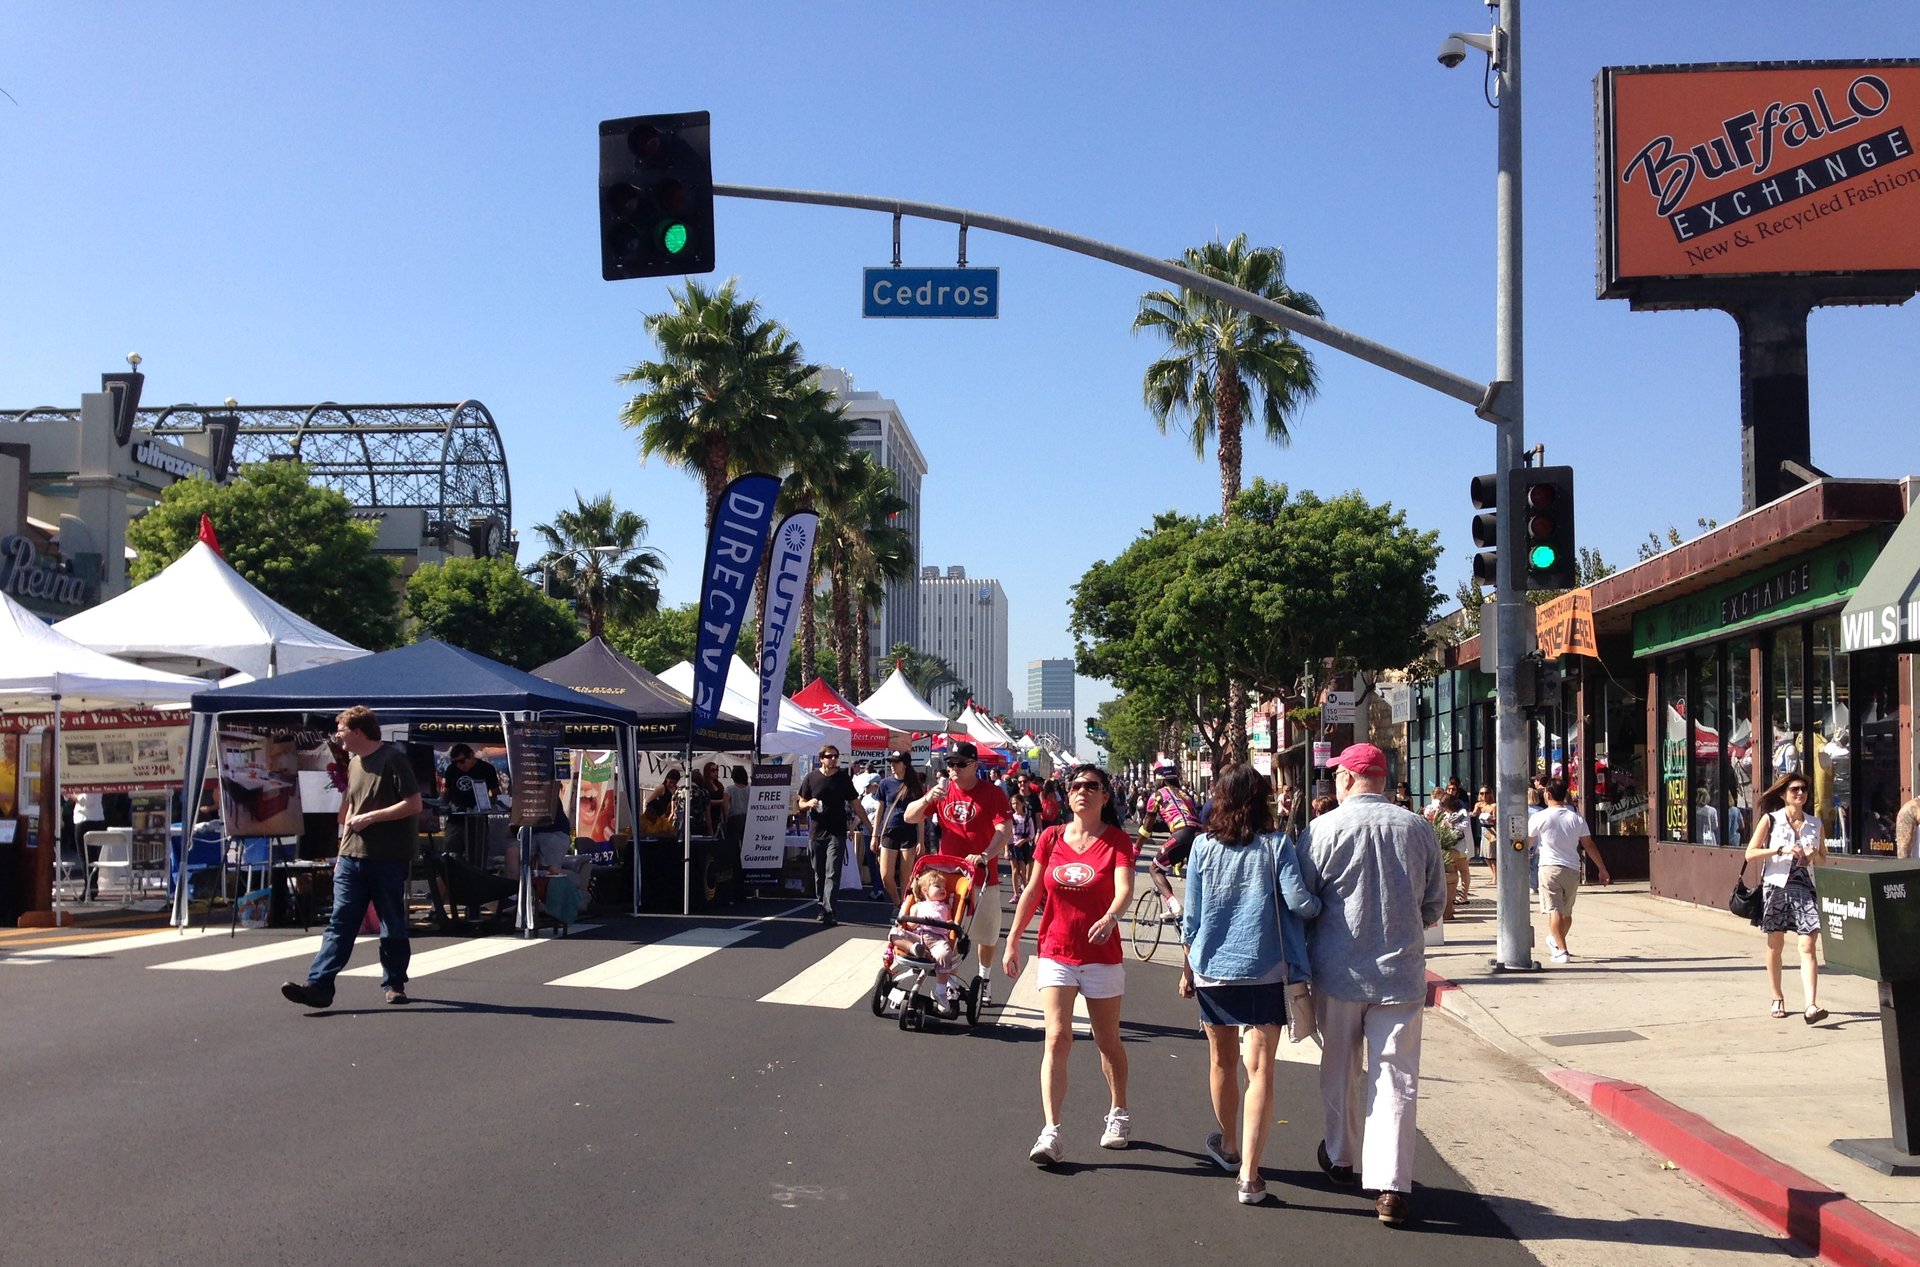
[1779,1009]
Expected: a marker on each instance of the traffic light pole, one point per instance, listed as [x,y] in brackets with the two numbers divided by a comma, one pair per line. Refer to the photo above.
[1513,950]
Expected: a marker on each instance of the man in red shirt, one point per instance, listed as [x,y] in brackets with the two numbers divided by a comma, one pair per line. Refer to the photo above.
[976,823]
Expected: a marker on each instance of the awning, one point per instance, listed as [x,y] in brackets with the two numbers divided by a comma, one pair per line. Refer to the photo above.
[1885,610]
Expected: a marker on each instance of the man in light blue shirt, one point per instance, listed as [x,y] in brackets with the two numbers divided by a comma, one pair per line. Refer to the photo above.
[1378,873]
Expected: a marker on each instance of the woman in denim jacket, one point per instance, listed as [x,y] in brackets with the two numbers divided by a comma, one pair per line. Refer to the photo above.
[1243,945]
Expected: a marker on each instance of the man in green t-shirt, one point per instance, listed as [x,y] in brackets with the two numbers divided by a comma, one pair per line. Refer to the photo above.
[379,821]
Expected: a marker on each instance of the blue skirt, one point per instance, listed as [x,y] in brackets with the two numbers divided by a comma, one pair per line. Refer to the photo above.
[1243,1004]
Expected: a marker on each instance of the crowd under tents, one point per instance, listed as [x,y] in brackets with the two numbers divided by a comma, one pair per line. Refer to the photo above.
[200,616]
[425,681]
[43,672]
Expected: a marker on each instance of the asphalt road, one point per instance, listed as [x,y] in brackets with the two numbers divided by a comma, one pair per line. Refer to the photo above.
[158,1115]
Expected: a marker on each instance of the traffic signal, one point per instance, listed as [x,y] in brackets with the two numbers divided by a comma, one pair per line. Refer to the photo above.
[1544,502]
[656,196]
[1486,530]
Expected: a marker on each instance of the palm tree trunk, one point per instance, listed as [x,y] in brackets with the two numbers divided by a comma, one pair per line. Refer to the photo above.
[714,473]
[865,631]
[1236,722]
[1227,404]
[842,625]
[809,636]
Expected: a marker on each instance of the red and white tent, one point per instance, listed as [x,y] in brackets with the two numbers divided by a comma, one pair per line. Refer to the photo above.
[870,738]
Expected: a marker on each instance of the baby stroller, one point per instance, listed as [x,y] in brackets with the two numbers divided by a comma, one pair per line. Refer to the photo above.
[906,980]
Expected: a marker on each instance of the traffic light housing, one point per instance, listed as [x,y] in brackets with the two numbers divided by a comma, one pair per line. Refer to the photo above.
[656,196]
[1543,508]
[1486,530]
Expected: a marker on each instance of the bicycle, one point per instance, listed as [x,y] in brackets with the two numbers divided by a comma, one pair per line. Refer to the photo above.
[1152,912]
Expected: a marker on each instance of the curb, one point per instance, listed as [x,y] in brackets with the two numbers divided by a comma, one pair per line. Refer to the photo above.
[1827,1222]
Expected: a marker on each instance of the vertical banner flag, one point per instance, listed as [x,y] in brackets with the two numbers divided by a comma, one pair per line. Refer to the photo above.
[786,583]
[735,541]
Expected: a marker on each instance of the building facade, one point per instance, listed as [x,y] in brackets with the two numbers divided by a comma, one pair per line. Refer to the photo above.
[1050,684]
[1058,722]
[964,621]
[883,433]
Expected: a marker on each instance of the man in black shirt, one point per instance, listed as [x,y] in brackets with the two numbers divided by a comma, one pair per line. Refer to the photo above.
[473,791]
[828,793]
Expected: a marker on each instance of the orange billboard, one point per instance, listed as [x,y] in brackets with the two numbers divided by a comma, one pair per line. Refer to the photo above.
[1754,170]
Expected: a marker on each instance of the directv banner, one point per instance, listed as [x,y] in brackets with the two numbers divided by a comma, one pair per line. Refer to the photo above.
[735,541]
[786,583]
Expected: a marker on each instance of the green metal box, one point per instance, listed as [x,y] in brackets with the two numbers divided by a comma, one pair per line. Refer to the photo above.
[1870,916]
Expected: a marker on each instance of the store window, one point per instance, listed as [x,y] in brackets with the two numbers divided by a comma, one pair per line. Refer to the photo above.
[1737,790]
[1619,762]
[1827,710]
[1708,827]
[1874,677]
[1786,702]
[1675,751]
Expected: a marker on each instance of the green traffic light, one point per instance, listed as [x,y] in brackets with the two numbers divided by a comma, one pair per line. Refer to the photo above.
[674,238]
[1541,557]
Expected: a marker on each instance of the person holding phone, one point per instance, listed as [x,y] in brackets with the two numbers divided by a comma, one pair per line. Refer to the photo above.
[1791,841]
[1084,873]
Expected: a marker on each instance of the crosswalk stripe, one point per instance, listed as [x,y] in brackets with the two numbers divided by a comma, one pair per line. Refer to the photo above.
[842,978]
[107,945]
[1023,1009]
[445,957]
[246,957]
[650,963]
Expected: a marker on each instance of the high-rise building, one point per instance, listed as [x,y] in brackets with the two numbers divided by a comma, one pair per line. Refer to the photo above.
[964,622]
[883,433]
[1058,722]
[1050,684]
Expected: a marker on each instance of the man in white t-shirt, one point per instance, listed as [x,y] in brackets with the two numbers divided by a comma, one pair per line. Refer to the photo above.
[1560,834]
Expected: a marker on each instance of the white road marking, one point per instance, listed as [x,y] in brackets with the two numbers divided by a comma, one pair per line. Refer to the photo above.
[442,958]
[246,957]
[842,978]
[107,945]
[650,963]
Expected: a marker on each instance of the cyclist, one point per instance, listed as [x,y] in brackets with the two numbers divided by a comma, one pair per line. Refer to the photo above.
[1175,807]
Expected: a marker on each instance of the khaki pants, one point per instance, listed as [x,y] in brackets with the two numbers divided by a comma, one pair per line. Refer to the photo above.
[1370,1087]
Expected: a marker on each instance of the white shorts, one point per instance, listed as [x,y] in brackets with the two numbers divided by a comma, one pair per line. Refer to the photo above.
[1093,980]
[984,928]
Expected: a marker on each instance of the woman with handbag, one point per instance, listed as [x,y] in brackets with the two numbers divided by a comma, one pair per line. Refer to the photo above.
[1791,841]
[1247,963]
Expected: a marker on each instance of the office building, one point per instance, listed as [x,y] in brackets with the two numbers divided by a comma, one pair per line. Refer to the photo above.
[964,622]
[1050,684]
[883,433]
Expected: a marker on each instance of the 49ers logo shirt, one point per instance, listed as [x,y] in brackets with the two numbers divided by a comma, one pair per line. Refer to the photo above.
[1073,875]
[959,813]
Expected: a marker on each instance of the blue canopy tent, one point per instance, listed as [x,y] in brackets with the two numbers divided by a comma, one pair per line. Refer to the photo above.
[428,680]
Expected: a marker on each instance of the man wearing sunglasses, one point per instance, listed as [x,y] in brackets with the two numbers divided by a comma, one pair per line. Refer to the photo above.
[828,793]
[976,823]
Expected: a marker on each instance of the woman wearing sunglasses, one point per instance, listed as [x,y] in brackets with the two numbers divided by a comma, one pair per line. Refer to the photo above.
[1791,841]
[1084,873]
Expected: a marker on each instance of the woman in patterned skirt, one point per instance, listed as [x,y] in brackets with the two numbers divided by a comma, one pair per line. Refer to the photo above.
[1791,841]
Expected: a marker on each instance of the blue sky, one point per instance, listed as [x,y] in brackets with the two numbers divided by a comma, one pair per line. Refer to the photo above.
[370,203]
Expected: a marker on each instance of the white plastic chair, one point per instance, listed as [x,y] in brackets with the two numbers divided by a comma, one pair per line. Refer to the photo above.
[116,854]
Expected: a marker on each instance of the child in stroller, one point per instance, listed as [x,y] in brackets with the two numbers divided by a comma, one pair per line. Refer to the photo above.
[928,939]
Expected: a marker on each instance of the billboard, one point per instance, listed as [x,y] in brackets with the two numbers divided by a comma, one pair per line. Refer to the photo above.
[1757,169]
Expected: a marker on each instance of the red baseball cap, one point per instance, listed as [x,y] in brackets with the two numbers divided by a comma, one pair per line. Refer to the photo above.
[1364,760]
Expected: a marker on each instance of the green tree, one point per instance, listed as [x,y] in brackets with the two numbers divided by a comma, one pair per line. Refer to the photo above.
[296,541]
[487,607]
[719,400]
[1225,364]
[1133,732]
[863,548]
[621,585]
[661,640]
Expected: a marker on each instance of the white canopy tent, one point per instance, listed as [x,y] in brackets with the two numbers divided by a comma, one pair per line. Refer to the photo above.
[41,668]
[801,733]
[895,703]
[981,728]
[200,613]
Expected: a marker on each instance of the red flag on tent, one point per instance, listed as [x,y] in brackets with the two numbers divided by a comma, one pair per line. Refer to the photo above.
[207,535]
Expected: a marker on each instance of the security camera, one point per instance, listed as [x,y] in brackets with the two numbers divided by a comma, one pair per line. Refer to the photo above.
[1453,51]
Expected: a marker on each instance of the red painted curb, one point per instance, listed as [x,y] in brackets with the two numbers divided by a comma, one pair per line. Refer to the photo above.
[1825,1221]
[1436,986]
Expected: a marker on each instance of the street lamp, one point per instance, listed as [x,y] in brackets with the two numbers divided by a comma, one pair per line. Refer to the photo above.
[1504,407]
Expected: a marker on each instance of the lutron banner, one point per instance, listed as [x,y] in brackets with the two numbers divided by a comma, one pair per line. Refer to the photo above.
[786,586]
[1757,169]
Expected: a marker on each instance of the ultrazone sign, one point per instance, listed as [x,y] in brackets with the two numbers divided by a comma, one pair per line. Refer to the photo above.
[1755,169]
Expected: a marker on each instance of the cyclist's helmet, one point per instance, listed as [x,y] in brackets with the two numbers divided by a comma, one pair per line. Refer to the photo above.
[1167,774]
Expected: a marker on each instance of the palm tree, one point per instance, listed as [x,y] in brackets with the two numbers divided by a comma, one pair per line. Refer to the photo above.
[595,559]
[817,456]
[716,401]
[1225,362]
[864,549]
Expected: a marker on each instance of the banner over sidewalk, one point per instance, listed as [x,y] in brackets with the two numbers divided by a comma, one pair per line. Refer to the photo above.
[1564,625]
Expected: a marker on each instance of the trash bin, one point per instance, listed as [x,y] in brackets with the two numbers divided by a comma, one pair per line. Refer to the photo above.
[1870,924]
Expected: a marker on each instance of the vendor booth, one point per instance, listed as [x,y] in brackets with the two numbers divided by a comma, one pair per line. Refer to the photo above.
[868,738]
[428,681]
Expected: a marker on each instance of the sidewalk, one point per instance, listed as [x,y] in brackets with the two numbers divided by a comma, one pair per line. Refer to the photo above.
[1673,998]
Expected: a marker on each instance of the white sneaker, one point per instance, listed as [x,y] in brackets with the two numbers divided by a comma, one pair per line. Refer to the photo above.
[1119,1128]
[1561,956]
[1046,1149]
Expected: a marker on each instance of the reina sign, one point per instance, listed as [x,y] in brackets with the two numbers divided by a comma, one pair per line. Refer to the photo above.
[24,575]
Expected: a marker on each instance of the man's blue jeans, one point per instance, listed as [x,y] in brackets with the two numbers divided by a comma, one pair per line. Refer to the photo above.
[356,883]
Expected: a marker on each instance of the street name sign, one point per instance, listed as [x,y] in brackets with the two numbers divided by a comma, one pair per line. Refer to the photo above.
[930,292]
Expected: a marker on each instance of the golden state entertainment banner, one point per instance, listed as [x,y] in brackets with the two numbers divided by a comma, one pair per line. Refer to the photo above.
[1741,170]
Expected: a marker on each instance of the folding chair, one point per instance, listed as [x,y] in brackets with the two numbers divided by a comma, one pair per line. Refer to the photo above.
[115,846]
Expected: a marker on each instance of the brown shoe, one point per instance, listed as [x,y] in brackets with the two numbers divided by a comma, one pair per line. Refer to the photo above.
[1391,1208]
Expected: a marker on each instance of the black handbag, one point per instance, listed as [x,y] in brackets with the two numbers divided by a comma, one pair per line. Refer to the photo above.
[1744,902]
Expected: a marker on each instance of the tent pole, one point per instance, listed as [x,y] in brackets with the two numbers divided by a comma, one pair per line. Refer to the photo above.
[59,825]
[686,829]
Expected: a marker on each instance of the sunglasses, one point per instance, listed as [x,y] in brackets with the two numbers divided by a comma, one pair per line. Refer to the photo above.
[1086,787]
[829,756]
[959,763]
[1801,788]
